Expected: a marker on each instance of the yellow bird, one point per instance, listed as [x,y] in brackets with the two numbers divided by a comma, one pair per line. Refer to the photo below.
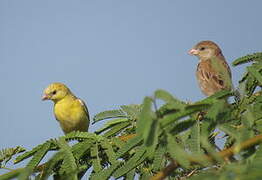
[70,111]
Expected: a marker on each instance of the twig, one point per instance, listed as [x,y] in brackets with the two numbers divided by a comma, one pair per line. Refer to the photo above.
[166,171]
[126,137]
[223,154]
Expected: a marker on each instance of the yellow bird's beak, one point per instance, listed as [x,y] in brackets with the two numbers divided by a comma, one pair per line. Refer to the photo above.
[45,97]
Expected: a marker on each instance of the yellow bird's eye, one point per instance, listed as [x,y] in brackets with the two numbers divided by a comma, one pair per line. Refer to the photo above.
[54,92]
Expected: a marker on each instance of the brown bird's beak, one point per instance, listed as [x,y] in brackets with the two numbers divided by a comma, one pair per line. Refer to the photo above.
[193,52]
[45,97]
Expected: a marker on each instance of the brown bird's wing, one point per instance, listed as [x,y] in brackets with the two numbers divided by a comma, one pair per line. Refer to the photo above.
[226,66]
[209,79]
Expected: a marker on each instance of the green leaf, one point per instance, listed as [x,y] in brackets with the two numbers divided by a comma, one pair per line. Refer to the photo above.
[182,125]
[81,148]
[130,175]
[110,124]
[151,138]
[177,152]
[51,164]
[168,98]
[105,144]
[95,158]
[229,129]
[116,129]
[132,163]
[172,118]
[206,129]
[78,135]
[27,154]
[106,173]
[6,154]
[108,114]
[129,145]
[194,141]
[248,58]
[132,111]
[215,109]
[159,157]
[68,167]
[145,118]
[38,156]
[255,73]
[11,175]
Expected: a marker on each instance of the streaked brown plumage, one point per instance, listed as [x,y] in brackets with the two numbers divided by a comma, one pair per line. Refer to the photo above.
[213,73]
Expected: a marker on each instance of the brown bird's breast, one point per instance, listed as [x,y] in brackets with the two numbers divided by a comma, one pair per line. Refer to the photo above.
[208,79]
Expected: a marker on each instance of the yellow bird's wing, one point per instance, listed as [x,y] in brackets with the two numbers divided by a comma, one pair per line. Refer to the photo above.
[85,107]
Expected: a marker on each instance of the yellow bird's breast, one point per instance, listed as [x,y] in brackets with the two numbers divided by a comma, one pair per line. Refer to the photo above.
[71,115]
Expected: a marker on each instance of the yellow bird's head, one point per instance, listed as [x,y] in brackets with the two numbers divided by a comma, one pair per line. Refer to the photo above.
[55,92]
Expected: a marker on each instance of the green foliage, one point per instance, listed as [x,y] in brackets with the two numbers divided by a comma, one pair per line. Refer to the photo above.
[163,134]
[8,153]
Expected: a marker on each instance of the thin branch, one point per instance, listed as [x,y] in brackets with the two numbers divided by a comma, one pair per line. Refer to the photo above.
[127,137]
[223,154]
[166,171]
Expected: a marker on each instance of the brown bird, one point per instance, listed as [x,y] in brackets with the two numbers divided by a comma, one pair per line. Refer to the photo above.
[213,73]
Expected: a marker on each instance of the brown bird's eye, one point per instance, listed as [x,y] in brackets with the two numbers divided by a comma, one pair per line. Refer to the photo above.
[202,49]
[54,92]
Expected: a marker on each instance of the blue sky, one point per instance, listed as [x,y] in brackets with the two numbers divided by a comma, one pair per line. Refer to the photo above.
[109,53]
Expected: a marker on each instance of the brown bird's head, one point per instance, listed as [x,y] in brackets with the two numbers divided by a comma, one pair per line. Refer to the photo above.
[205,50]
[55,92]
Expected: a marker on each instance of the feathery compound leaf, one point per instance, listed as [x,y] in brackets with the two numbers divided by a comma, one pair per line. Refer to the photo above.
[182,125]
[51,164]
[145,118]
[6,154]
[81,148]
[105,144]
[251,84]
[177,152]
[110,124]
[11,175]
[78,135]
[194,141]
[215,109]
[258,157]
[159,157]
[68,167]
[168,98]
[151,138]
[28,154]
[147,126]
[38,156]
[255,72]
[132,163]
[95,158]
[205,132]
[115,130]
[248,58]
[106,173]
[132,111]
[129,145]
[218,95]
[108,114]
[172,118]
[165,96]
[130,175]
